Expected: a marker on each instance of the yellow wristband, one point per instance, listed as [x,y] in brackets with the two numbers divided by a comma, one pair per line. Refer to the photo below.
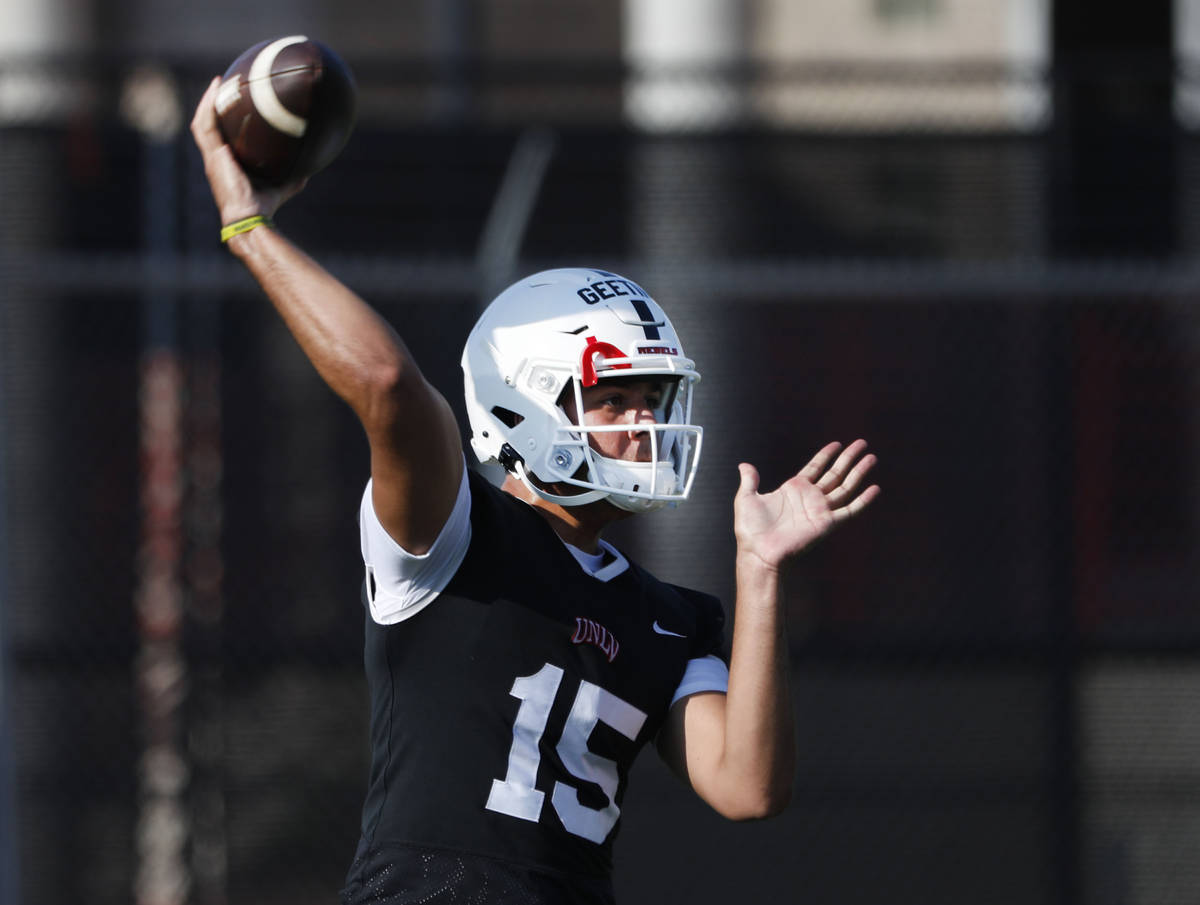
[244,226]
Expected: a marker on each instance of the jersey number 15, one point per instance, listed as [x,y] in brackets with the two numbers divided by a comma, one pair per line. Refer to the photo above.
[516,794]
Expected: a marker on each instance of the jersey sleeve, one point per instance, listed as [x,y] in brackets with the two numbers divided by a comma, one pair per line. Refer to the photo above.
[707,673]
[400,584]
[707,667]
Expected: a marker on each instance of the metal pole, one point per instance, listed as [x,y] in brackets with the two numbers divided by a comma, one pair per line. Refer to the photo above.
[500,244]
[452,39]
[10,881]
[205,563]
[680,54]
[682,57]
[29,30]
[163,826]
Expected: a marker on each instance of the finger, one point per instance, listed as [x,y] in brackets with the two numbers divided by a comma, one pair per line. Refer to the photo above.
[749,478]
[840,469]
[205,130]
[819,462]
[856,505]
[852,481]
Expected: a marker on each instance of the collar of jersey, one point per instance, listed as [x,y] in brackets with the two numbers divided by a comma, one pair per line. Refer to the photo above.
[615,565]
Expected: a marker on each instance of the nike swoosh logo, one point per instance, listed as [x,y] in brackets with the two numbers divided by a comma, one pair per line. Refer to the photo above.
[662,631]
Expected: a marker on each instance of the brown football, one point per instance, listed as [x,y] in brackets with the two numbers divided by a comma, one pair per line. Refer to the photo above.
[286,107]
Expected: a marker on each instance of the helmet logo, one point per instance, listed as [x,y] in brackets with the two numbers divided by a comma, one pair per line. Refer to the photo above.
[595,292]
[608,289]
[588,364]
[648,323]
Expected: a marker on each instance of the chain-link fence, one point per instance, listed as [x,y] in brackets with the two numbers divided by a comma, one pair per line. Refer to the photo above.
[995,672]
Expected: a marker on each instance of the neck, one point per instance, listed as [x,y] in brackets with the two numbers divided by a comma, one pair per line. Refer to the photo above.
[579,526]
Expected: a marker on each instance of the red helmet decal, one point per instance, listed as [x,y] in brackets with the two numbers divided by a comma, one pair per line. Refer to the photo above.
[604,350]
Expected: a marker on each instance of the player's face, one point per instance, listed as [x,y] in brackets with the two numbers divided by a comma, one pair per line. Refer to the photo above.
[634,402]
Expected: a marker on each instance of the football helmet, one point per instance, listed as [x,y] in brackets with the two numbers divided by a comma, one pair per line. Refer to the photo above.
[555,333]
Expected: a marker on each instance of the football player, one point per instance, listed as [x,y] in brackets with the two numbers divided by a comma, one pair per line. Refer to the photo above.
[517,662]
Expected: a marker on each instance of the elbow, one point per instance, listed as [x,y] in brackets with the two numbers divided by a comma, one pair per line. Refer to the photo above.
[776,803]
[772,803]
[384,388]
[758,804]
[384,378]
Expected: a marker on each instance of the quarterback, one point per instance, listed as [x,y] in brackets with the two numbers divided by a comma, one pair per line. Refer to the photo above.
[516,661]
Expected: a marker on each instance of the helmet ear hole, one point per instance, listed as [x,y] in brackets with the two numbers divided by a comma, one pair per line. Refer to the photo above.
[507,417]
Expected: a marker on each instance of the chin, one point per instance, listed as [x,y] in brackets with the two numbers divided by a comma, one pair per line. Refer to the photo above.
[616,513]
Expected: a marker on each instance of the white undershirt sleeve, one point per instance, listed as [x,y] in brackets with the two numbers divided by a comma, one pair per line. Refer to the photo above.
[399,583]
[702,674]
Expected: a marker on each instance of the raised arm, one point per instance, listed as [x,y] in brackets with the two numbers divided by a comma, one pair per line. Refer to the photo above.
[737,750]
[416,450]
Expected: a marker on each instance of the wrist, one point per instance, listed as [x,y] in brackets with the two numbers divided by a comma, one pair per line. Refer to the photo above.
[248,242]
[243,225]
[756,578]
[751,562]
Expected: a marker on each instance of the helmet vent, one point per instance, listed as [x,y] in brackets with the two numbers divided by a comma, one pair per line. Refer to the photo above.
[507,417]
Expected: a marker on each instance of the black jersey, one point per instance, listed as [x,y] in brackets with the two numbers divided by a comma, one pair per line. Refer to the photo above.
[506,715]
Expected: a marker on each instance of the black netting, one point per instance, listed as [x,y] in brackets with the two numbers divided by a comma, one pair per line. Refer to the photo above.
[994,672]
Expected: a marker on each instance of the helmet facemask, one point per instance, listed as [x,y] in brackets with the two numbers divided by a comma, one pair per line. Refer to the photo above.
[640,485]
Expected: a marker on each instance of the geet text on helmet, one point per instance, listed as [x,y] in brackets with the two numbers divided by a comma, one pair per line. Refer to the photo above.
[609,289]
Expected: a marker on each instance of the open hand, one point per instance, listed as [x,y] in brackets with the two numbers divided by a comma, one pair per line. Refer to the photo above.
[828,490]
[237,197]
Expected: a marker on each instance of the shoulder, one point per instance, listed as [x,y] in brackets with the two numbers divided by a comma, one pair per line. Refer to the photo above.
[507,538]
[689,598]
[709,617]
[498,513]
[494,497]
[705,604]
[683,611]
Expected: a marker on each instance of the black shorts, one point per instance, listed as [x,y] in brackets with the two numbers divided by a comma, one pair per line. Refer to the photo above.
[409,874]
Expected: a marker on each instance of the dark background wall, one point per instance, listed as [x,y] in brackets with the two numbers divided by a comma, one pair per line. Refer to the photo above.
[995,672]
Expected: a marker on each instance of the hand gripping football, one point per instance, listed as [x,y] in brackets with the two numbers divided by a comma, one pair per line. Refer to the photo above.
[286,107]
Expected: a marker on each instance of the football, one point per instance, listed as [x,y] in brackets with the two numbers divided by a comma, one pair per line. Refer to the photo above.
[286,107]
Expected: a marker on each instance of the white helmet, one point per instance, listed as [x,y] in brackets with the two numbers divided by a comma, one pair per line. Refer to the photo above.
[562,330]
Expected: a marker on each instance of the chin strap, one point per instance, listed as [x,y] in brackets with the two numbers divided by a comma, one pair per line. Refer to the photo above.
[575,499]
